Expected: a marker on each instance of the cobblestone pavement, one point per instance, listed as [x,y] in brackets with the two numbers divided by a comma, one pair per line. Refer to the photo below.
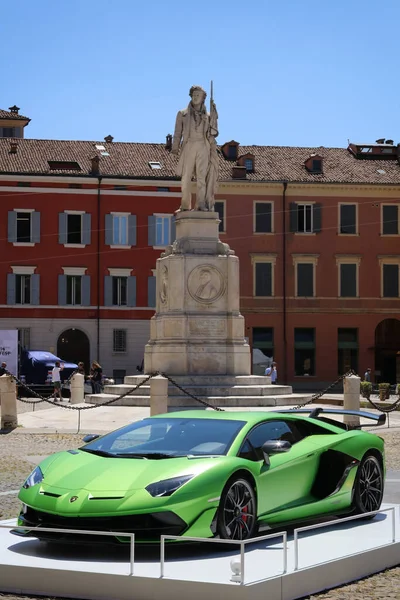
[17,447]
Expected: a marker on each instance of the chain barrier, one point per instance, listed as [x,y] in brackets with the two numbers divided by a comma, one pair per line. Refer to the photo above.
[189,394]
[319,395]
[383,408]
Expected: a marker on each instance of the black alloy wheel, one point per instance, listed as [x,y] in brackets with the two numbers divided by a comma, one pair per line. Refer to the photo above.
[368,492]
[237,516]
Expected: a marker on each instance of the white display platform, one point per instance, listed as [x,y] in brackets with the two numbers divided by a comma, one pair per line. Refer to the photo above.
[327,557]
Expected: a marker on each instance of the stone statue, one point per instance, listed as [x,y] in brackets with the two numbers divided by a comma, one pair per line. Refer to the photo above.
[195,133]
[164,286]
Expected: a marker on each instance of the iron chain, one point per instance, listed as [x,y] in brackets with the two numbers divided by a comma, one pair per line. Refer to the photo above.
[189,394]
[319,395]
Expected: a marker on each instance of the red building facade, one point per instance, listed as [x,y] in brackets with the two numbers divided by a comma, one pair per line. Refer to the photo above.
[317,233]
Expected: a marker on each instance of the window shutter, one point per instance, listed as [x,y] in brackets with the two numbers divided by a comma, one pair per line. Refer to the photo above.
[263,279]
[35,289]
[305,280]
[108,230]
[62,228]
[86,228]
[390,281]
[12,226]
[131,300]
[132,230]
[85,290]
[151,224]
[293,216]
[35,227]
[10,288]
[390,225]
[62,290]
[317,218]
[151,292]
[173,229]
[348,280]
[108,290]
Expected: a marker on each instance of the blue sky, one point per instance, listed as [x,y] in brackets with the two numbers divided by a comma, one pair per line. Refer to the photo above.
[288,73]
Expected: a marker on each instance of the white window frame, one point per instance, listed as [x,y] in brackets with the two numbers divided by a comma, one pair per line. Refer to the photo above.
[27,270]
[73,303]
[74,212]
[119,278]
[348,260]
[115,333]
[303,205]
[272,203]
[389,260]
[388,235]
[117,244]
[162,216]
[305,258]
[26,244]
[224,221]
[22,284]
[264,258]
[339,220]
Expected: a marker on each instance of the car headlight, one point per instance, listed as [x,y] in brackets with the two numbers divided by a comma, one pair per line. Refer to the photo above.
[167,486]
[35,477]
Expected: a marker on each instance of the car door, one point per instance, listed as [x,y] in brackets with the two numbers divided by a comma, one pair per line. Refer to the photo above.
[287,480]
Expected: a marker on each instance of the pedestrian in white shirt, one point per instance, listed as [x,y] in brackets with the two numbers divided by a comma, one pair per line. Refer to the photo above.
[56,379]
[272,372]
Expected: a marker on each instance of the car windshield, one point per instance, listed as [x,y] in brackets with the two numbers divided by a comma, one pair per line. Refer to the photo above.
[167,438]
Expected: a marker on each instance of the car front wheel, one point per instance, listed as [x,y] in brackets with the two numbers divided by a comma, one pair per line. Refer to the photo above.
[237,517]
[368,491]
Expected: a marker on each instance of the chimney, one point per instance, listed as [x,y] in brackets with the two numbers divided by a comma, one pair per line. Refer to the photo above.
[238,172]
[380,141]
[95,170]
[390,142]
[108,139]
[168,142]
[14,109]
[13,147]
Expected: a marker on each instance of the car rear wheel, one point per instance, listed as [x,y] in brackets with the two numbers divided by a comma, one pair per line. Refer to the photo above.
[237,515]
[368,492]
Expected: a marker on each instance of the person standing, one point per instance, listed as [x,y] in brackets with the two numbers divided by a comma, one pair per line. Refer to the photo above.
[272,372]
[3,369]
[96,376]
[56,379]
[367,375]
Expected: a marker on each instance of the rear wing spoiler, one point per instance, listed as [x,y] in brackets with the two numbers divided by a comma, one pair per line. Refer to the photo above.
[314,413]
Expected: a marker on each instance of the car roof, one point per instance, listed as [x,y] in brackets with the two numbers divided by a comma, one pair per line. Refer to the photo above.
[248,416]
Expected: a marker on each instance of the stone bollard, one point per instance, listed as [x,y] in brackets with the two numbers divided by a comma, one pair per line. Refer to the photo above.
[77,388]
[351,399]
[8,397]
[158,395]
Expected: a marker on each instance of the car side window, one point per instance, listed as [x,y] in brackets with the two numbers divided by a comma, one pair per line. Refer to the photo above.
[271,430]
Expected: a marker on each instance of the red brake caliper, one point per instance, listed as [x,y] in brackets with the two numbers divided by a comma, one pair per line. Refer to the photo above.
[244,517]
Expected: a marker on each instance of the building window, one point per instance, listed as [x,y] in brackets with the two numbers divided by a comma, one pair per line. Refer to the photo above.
[119,340]
[263,274]
[120,289]
[390,280]
[263,217]
[120,230]
[390,219]
[23,227]
[22,289]
[348,280]
[347,350]
[74,289]
[348,219]
[74,228]
[249,164]
[163,231]
[304,351]
[263,348]
[24,337]
[305,218]
[219,207]
[119,375]
[232,152]
[305,280]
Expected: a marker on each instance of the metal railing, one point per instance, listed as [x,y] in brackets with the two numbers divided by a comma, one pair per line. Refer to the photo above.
[241,543]
[391,509]
[131,536]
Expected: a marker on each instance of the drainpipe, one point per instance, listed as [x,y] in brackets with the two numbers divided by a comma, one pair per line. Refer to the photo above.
[284,315]
[98,269]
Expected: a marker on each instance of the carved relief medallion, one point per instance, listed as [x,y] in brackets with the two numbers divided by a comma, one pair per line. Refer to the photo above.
[206,284]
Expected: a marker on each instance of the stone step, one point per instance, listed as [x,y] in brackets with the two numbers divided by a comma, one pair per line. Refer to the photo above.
[202,380]
[205,390]
[187,402]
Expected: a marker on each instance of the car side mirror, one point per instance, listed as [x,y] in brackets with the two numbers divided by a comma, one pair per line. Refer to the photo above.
[274,447]
[90,437]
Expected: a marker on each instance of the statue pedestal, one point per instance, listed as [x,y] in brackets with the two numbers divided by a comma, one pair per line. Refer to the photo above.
[197,327]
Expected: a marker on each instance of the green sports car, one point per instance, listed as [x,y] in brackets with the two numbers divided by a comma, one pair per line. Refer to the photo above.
[202,474]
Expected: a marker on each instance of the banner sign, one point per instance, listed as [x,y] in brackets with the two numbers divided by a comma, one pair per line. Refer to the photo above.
[9,349]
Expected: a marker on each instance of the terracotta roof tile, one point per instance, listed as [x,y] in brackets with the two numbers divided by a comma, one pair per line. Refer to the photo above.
[6,114]
[131,160]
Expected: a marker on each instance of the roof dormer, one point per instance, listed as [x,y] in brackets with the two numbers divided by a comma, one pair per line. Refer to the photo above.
[314,164]
[247,161]
[230,150]
[12,123]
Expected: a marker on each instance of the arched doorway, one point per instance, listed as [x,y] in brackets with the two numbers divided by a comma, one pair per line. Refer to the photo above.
[73,346]
[387,351]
